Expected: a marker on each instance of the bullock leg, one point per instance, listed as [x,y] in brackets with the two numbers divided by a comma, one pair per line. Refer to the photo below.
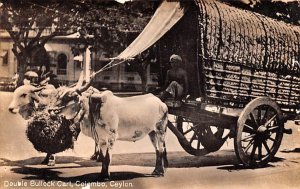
[49,160]
[46,160]
[96,155]
[165,159]
[106,159]
[161,155]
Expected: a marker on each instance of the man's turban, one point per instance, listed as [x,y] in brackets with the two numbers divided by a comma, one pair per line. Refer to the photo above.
[176,58]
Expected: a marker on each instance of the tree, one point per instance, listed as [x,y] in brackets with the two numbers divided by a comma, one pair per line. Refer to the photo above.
[31,24]
[287,11]
[111,26]
[141,63]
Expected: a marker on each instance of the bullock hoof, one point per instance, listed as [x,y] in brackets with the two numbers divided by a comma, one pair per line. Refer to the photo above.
[51,161]
[158,173]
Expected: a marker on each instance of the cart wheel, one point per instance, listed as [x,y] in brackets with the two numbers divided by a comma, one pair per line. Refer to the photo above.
[259,132]
[202,139]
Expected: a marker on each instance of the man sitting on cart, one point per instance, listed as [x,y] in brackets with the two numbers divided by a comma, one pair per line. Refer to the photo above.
[176,84]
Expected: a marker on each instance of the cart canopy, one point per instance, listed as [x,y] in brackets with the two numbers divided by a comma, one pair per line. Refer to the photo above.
[165,17]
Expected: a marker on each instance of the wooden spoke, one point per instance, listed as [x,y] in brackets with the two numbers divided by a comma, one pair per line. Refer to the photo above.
[187,131]
[249,145]
[266,147]
[260,151]
[253,150]
[259,116]
[254,120]
[196,125]
[198,145]
[273,128]
[274,140]
[246,139]
[266,113]
[193,138]
[249,127]
[270,120]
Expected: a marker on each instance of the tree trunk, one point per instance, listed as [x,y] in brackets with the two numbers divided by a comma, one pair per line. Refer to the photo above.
[143,74]
[21,64]
[144,82]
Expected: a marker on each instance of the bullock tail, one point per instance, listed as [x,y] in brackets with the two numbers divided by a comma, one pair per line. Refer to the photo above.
[94,115]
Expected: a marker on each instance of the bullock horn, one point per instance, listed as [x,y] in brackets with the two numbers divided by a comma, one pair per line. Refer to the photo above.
[37,89]
[87,84]
[85,87]
[80,81]
[45,81]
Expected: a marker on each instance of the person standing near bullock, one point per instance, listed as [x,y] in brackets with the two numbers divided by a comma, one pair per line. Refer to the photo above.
[176,84]
[31,78]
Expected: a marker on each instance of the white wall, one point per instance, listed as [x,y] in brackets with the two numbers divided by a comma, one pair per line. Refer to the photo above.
[9,69]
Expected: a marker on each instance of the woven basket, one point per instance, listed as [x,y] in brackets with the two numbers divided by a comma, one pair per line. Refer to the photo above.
[51,133]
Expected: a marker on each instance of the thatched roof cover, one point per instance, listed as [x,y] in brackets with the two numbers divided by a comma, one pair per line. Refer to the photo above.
[247,38]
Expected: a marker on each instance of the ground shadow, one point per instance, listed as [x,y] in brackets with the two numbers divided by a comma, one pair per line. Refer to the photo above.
[176,160]
[38,160]
[238,166]
[32,170]
[296,150]
[46,174]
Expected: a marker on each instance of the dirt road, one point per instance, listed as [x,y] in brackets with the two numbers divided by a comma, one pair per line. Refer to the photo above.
[132,162]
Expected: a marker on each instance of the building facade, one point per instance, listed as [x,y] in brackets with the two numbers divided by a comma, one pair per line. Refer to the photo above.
[67,68]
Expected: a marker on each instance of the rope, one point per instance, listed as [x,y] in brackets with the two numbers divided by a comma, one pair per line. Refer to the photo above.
[110,65]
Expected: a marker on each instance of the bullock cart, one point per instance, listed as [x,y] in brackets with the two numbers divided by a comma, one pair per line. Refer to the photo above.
[257,125]
[244,76]
[245,80]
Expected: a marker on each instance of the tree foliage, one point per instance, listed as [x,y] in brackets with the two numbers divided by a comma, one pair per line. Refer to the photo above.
[111,26]
[31,24]
[285,11]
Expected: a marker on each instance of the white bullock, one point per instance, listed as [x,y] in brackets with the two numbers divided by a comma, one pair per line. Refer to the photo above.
[24,102]
[107,118]
[28,99]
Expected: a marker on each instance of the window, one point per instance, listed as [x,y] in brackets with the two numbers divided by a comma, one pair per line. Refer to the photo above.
[130,78]
[78,64]
[4,56]
[106,78]
[62,64]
